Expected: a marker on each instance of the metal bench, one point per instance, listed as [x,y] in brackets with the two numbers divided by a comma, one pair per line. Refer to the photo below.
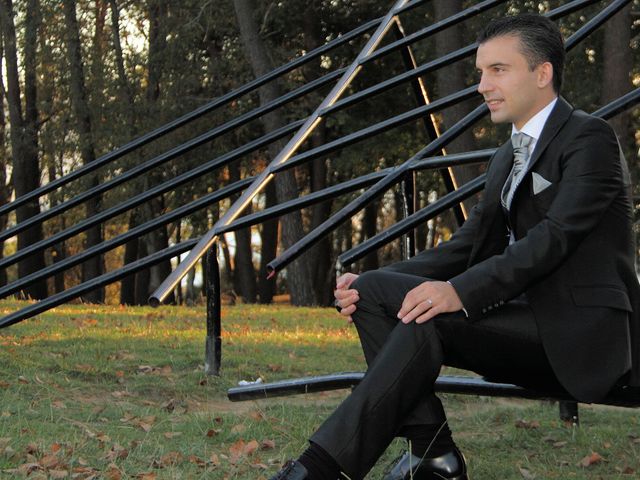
[623,396]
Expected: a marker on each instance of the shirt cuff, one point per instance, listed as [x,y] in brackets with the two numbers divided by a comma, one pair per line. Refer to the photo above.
[463,309]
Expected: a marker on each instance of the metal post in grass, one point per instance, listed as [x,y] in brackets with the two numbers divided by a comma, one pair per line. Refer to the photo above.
[213,342]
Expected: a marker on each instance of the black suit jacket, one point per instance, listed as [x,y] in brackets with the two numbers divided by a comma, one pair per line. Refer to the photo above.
[573,256]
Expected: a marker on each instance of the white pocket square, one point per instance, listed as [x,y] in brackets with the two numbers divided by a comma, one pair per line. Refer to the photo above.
[539,183]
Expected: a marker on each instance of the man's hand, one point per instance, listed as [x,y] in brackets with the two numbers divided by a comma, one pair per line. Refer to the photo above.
[428,300]
[346,298]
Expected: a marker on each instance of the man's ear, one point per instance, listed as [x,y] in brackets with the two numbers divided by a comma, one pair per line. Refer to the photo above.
[545,74]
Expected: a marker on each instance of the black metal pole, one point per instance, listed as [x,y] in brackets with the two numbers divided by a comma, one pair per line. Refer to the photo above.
[98,282]
[315,235]
[442,204]
[151,193]
[175,152]
[213,342]
[285,154]
[195,114]
[431,126]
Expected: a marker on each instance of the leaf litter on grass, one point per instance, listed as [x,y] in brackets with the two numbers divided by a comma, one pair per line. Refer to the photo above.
[123,394]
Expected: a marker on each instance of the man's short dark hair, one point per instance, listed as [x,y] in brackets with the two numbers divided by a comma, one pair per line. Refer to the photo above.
[540,39]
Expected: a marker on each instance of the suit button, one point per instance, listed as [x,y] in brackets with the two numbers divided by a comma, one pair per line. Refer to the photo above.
[501,302]
[484,310]
[490,307]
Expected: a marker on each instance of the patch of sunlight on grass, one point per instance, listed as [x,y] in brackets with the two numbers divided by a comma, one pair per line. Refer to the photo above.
[95,390]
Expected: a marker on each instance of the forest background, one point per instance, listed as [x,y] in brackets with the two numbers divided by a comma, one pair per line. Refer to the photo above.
[81,78]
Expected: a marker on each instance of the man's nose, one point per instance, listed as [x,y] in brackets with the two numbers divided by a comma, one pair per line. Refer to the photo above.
[484,85]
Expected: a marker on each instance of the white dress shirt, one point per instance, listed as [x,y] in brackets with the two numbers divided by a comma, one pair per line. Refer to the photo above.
[534,126]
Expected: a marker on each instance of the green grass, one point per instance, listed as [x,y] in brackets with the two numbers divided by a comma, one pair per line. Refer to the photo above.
[111,392]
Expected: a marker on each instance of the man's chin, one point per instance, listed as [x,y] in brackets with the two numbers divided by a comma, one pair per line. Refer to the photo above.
[499,117]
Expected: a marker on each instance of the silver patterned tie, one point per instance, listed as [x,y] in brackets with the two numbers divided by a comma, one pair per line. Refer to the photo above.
[520,142]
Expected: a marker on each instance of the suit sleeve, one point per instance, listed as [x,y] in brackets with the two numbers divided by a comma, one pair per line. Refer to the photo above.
[591,180]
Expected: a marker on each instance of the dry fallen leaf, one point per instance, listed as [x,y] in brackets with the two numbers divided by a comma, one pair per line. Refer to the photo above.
[168,460]
[113,472]
[238,428]
[49,461]
[526,474]
[268,444]
[60,474]
[251,447]
[527,424]
[117,452]
[197,461]
[257,415]
[145,476]
[121,394]
[591,459]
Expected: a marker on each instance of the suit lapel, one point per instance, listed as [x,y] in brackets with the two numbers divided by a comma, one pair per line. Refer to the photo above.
[558,117]
[497,173]
[502,162]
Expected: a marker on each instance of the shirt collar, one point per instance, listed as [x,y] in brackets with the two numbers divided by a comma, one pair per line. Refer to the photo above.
[534,126]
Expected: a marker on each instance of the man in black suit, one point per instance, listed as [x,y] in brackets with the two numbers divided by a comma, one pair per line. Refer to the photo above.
[537,288]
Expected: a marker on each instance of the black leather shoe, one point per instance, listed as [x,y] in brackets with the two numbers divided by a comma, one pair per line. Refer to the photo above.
[292,470]
[450,466]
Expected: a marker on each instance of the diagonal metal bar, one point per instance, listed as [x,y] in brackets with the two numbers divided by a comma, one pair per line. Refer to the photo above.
[242,222]
[407,224]
[149,194]
[465,158]
[619,105]
[433,29]
[123,238]
[408,184]
[469,189]
[379,127]
[195,114]
[378,189]
[170,154]
[435,64]
[267,175]
[98,282]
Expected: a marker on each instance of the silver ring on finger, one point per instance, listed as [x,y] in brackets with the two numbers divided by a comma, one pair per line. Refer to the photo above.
[430,302]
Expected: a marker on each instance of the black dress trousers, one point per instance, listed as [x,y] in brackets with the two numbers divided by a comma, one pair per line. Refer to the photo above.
[404,362]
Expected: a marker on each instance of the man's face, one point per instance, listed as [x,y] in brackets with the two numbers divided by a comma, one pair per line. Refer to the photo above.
[512,92]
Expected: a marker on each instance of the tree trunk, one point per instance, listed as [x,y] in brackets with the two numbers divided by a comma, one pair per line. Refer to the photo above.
[24,136]
[244,274]
[97,56]
[226,275]
[452,79]
[157,45]
[142,278]
[299,278]
[123,84]
[128,284]
[93,267]
[323,265]
[268,249]
[5,187]
[617,59]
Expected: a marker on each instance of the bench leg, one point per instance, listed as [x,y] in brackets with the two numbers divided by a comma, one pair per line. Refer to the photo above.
[569,412]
